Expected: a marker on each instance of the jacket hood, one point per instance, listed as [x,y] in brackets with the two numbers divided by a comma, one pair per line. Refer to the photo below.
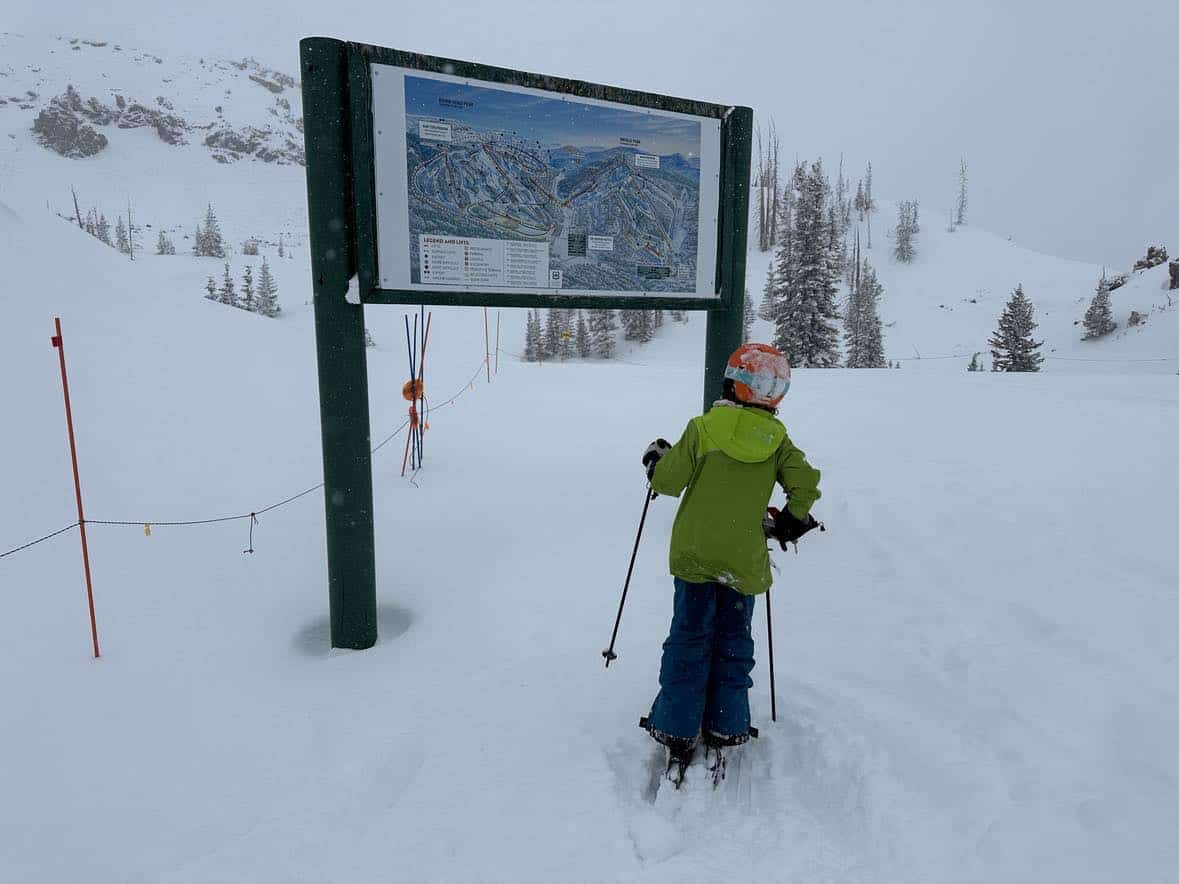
[748,435]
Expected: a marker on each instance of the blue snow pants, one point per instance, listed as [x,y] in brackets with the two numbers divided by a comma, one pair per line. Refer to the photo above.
[704,678]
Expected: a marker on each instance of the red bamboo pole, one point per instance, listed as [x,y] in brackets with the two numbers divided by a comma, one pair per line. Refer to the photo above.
[56,341]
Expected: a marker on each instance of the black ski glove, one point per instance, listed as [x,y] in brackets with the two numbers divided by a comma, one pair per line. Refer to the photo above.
[787,528]
[651,456]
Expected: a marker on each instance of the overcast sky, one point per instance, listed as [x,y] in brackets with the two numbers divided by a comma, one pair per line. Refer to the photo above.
[1066,112]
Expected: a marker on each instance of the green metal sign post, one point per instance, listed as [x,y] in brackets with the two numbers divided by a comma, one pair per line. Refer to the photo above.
[349,265]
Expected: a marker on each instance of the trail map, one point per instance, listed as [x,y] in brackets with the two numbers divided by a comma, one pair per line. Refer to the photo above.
[511,189]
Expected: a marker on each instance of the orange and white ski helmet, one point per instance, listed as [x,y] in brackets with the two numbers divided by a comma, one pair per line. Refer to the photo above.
[760,375]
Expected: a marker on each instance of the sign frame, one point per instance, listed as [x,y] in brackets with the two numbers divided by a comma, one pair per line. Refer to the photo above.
[361,57]
[341,221]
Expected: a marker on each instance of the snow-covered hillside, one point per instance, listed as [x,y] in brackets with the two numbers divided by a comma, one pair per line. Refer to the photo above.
[947,302]
[976,662]
[181,132]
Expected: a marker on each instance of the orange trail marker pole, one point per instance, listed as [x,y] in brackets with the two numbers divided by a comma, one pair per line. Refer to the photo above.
[486,345]
[56,341]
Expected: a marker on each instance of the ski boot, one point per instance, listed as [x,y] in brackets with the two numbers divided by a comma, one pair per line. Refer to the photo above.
[715,744]
[680,752]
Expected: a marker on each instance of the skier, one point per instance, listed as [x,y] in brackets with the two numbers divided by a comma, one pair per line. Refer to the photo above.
[727,461]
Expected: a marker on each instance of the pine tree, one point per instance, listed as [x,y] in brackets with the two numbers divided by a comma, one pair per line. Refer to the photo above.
[532,342]
[198,242]
[1099,320]
[209,243]
[267,292]
[227,293]
[765,310]
[975,363]
[211,288]
[102,229]
[1012,345]
[747,317]
[552,334]
[862,329]
[281,252]
[869,203]
[165,246]
[960,209]
[805,311]
[532,337]
[248,302]
[602,328]
[904,248]
[582,336]
[122,243]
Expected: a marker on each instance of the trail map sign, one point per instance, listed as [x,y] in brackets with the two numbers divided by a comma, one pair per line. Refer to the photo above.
[502,188]
[436,181]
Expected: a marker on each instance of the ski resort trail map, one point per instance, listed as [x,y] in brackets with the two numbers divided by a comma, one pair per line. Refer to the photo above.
[516,190]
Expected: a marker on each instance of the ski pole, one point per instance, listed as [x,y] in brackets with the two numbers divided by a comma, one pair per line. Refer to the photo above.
[770,633]
[648,496]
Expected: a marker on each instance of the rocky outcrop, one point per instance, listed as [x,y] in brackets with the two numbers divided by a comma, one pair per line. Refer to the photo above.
[66,126]
[63,129]
[267,145]
[1155,255]
[1173,267]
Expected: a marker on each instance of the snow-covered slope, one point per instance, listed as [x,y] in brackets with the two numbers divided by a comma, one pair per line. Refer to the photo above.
[947,302]
[249,114]
[975,663]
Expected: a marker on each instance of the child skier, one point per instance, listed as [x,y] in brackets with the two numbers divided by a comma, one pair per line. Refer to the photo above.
[728,461]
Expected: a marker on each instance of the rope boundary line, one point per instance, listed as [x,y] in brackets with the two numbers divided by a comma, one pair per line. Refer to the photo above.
[250,515]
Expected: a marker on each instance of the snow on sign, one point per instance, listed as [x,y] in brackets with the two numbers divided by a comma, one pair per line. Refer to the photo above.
[490,187]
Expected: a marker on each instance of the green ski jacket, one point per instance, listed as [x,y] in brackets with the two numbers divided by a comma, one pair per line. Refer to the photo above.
[728,460]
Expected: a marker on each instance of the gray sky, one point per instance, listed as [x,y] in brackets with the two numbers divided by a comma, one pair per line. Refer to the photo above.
[1065,111]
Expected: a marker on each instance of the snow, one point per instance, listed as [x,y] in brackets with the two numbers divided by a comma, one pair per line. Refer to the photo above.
[975,663]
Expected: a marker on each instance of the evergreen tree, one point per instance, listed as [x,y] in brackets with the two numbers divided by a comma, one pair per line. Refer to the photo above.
[267,292]
[869,203]
[960,209]
[368,338]
[1099,320]
[602,328]
[747,317]
[227,294]
[975,363]
[250,247]
[91,225]
[904,248]
[248,302]
[211,288]
[102,229]
[198,242]
[122,243]
[552,334]
[281,252]
[806,276]
[1012,345]
[859,202]
[862,329]
[582,336]
[765,310]
[533,350]
[165,246]
[209,242]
